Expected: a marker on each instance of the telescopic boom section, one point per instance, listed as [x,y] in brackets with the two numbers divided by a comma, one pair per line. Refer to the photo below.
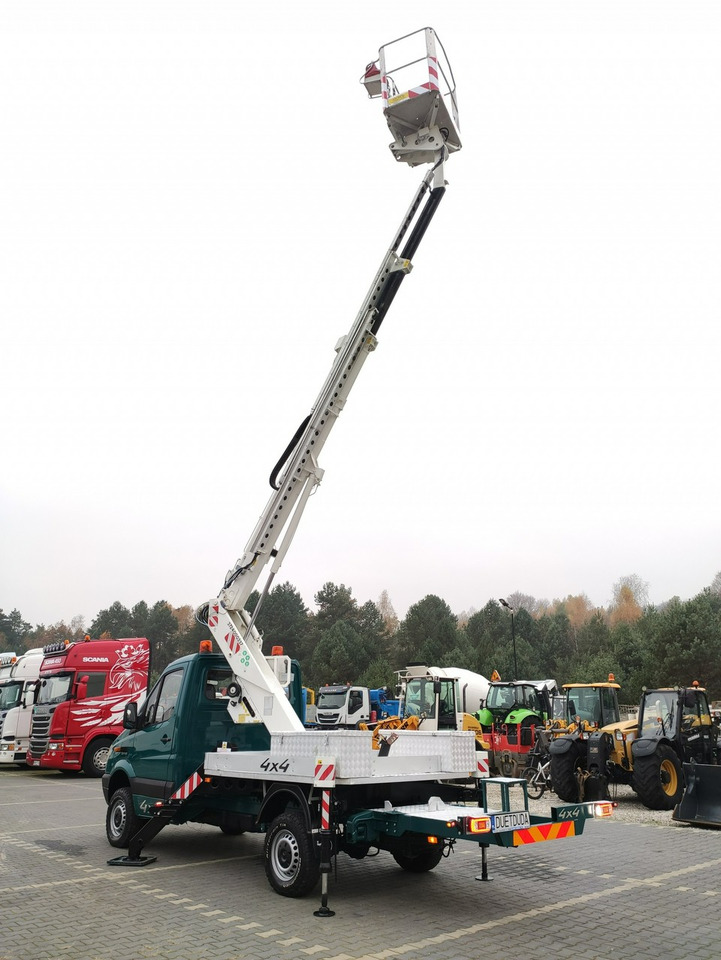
[260,696]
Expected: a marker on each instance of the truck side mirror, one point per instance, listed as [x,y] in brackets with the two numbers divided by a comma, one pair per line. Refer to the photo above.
[81,691]
[130,716]
[28,697]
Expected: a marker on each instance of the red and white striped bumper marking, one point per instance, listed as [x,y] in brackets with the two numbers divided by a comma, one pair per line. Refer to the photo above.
[191,784]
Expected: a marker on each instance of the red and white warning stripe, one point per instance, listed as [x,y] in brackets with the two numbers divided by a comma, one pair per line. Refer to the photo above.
[213,618]
[233,642]
[191,784]
[324,773]
[433,73]
[325,810]
[483,767]
[419,91]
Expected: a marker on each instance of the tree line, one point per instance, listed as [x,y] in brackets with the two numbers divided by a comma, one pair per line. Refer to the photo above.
[365,643]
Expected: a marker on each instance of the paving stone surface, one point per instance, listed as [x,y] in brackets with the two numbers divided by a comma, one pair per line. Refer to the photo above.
[644,889]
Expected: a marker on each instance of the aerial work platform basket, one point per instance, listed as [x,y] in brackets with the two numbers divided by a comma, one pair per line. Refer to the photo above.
[414,78]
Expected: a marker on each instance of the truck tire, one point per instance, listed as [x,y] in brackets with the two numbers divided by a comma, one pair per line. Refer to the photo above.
[563,773]
[658,778]
[290,863]
[421,860]
[121,823]
[96,757]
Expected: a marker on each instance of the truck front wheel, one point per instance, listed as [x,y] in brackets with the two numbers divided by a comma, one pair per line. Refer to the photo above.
[121,823]
[290,864]
[96,757]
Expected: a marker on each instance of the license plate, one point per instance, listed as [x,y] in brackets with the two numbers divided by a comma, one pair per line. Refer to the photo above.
[502,822]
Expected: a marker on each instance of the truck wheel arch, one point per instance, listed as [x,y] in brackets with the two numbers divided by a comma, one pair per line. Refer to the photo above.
[118,779]
[281,796]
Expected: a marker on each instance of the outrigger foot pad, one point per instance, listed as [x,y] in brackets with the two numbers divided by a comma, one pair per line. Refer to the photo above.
[131,861]
[323,912]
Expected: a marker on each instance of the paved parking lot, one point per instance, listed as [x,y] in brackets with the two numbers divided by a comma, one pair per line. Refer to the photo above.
[623,890]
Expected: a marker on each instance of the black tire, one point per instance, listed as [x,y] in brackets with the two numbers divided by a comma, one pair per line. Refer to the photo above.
[658,778]
[534,788]
[121,822]
[290,863]
[96,757]
[563,773]
[420,860]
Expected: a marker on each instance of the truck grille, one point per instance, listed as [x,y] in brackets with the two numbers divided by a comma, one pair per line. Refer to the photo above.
[39,736]
[328,720]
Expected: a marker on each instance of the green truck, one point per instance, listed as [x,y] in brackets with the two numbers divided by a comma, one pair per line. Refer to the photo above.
[313,794]
[220,739]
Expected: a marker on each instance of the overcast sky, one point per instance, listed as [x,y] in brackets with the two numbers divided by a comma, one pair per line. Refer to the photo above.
[195,199]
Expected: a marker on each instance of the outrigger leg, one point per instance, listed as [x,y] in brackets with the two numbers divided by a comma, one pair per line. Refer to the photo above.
[163,813]
[326,853]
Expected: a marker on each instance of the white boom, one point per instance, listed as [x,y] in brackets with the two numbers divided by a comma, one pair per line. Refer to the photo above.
[258,696]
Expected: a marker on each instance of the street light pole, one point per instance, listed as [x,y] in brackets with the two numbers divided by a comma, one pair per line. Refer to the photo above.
[507,605]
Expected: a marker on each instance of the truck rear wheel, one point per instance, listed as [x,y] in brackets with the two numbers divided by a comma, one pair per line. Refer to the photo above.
[96,757]
[421,860]
[563,773]
[290,864]
[658,779]
[121,823]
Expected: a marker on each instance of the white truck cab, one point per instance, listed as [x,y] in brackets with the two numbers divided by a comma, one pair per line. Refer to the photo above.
[16,706]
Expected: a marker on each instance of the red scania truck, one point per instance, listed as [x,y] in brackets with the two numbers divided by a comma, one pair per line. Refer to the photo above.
[80,698]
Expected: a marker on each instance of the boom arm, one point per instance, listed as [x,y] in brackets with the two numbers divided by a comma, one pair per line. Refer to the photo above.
[233,628]
[259,697]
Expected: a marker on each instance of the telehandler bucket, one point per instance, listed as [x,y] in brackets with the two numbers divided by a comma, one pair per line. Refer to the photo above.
[701,800]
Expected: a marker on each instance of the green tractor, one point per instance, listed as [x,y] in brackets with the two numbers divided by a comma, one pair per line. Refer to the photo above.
[509,717]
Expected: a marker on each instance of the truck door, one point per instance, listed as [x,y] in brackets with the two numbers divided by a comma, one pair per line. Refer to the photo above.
[358,706]
[154,748]
[697,731]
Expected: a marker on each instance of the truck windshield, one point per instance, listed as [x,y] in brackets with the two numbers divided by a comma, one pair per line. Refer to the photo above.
[330,701]
[10,694]
[55,689]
